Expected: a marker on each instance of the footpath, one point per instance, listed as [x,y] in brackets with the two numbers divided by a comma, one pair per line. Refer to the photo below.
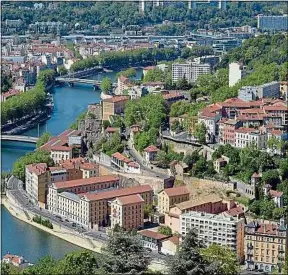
[78,239]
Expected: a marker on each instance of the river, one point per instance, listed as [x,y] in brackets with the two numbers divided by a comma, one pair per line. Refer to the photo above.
[19,237]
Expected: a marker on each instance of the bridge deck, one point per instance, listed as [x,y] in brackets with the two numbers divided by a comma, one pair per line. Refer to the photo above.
[19,138]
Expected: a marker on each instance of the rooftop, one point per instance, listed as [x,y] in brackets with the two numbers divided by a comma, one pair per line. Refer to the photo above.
[153,234]
[37,168]
[116,99]
[176,191]
[131,199]
[219,217]
[151,148]
[83,182]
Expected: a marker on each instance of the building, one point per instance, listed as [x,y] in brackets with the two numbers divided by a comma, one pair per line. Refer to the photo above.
[236,73]
[219,163]
[152,239]
[171,245]
[172,97]
[15,260]
[216,229]
[227,129]
[212,60]
[113,106]
[271,90]
[209,204]
[150,153]
[190,71]
[275,195]
[128,212]
[272,22]
[170,196]
[248,136]
[179,169]
[91,209]
[125,164]
[248,93]
[64,146]
[37,178]
[265,246]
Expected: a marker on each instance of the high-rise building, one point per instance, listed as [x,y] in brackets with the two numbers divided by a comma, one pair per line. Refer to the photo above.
[265,246]
[190,71]
[271,89]
[236,73]
[273,22]
[219,229]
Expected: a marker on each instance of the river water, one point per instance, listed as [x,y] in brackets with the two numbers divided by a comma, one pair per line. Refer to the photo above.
[21,238]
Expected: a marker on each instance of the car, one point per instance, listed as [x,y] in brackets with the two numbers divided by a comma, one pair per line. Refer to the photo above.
[74,224]
[58,217]
[66,220]
[148,249]
[161,253]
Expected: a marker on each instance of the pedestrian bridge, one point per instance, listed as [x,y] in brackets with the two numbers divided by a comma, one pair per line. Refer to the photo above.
[19,138]
[81,80]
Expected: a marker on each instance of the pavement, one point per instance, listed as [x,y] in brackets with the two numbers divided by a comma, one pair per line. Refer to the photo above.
[16,189]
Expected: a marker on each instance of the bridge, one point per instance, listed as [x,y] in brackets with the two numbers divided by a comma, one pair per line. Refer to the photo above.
[71,81]
[19,138]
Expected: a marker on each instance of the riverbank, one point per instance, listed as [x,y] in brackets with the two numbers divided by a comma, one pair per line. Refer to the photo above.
[62,233]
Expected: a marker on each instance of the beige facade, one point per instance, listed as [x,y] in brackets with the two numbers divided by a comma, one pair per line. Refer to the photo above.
[128,212]
[37,178]
[170,196]
[265,246]
[113,106]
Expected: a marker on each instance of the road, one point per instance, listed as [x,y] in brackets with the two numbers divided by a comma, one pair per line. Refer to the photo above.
[15,187]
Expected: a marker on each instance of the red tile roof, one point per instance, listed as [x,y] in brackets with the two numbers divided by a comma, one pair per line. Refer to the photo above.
[153,234]
[176,191]
[172,95]
[275,194]
[151,148]
[120,157]
[116,99]
[37,168]
[117,193]
[235,211]
[88,181]
[131,199]
[175,240]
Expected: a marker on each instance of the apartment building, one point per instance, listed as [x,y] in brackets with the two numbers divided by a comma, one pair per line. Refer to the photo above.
[128,212]
[227,129]
[265,246]
[190,71]
[170,196]
[247,136]
[114,106]
[270,90]
[124,164]
[92,209]
[218,229]
[37,178]
[209,204]
[64,146]
[150,153]
[272,22]
[236,73]
[247,93]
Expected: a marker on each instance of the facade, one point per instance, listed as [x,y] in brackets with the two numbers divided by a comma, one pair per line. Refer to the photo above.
[150,153]
[248,93]
[92,209]
[265,246]
[272,22]
[190,71]
[218,229]
[125,164]
[37,178]
[236,73]
[271,90]
[247,136]
[128,212]
[209,204]
[170,196]
[170,246]
[227,129]
[113,106]
[152,239]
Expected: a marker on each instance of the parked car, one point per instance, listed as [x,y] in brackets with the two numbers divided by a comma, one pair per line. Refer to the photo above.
[74,224]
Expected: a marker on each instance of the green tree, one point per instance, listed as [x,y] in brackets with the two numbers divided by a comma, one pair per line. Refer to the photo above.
[6,82]
[46,265]
[62,70]
[38,156]
[106,85]
[223,257]
[166,230]
[188,259]
[148,211]
[154,75]
[43,139]
[131,72]
[271,177]
[162,159]
[192,158]
[200,132]
[278,213]
[124,253]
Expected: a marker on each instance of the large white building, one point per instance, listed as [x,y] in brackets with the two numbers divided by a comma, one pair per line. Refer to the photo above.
[236,73]
[247,93]
[247,136]
[219,229]
[190,71]
[273,22]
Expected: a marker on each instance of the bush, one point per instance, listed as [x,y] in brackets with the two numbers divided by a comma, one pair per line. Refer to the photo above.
[38,219]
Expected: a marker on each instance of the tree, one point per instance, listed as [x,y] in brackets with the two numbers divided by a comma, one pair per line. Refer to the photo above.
[192,158]
[78,263]
[283,167]
[124,253]
[188,260]
[46,265]
[166,230]
[62,70]
[223,257]
[148,210]
[38,156]
[278,213]
[200,132]
[131,72]
[106,85]
[200,167]
[162,159]
[271,177]
[6,82]
[43,139]
[154,75]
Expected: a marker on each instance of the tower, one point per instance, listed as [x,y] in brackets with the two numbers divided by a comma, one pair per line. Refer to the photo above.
[142,6]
